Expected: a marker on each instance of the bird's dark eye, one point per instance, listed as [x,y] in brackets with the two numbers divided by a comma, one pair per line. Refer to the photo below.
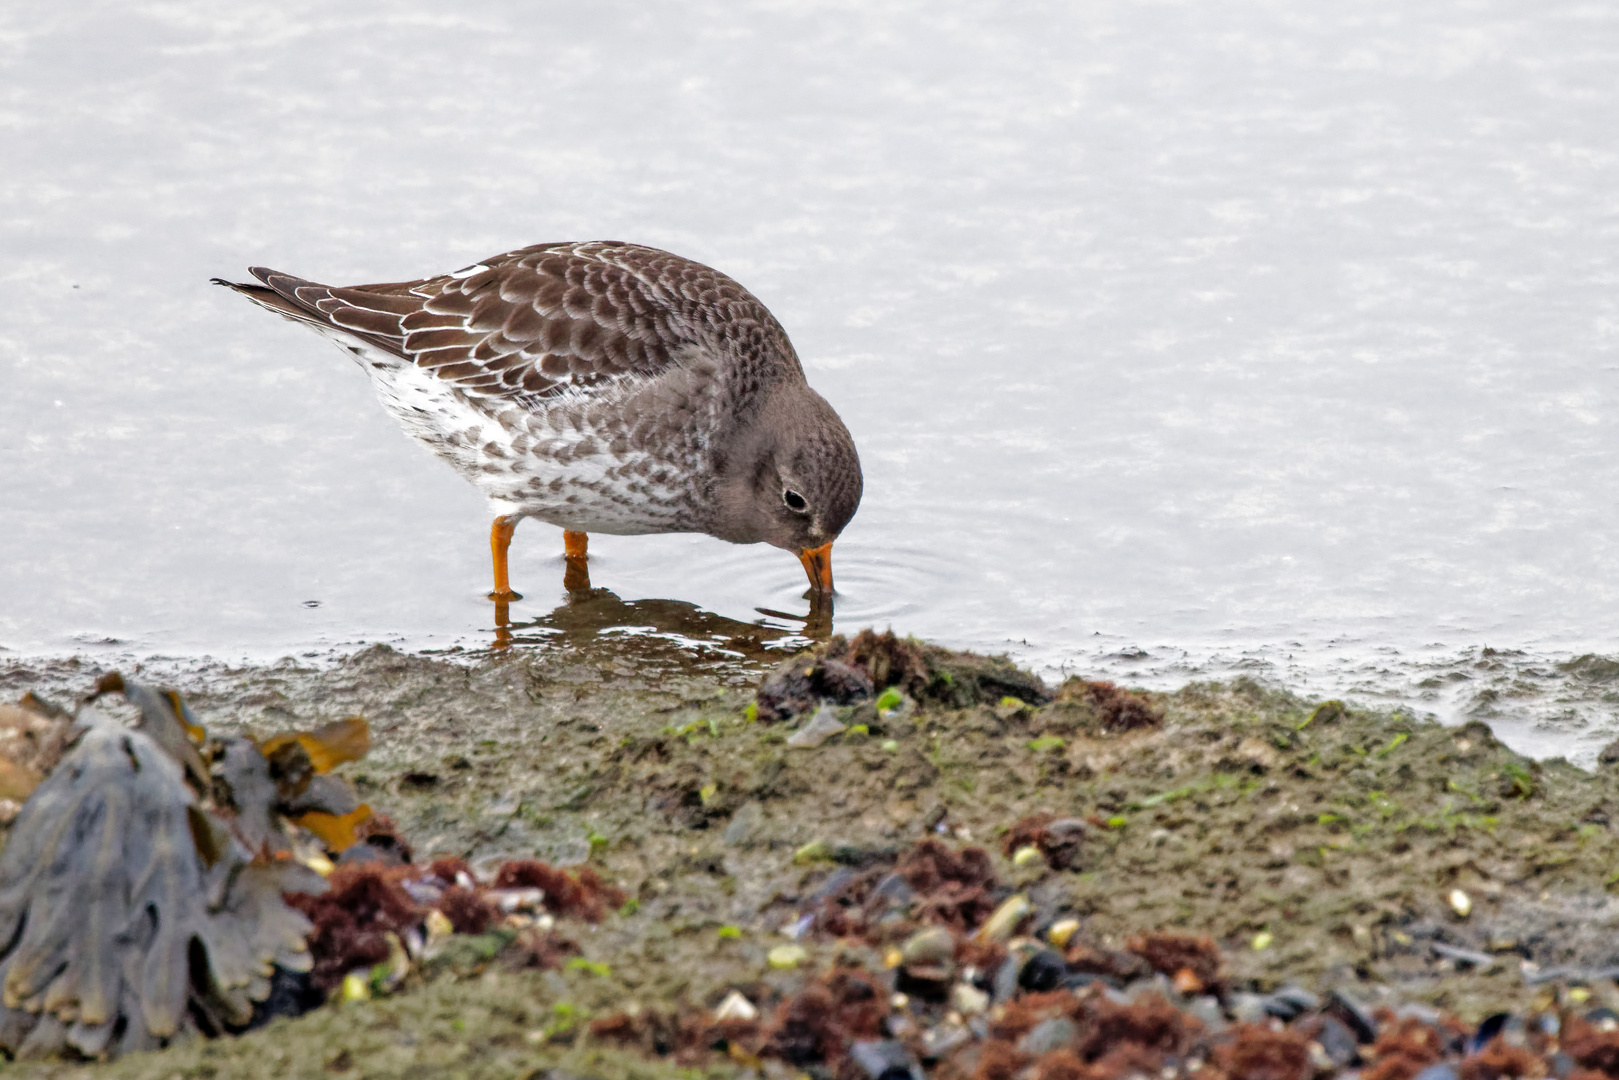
[795,502]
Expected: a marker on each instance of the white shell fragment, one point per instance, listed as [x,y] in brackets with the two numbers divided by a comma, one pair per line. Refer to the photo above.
[822,726]
[736,1007]
[512,900]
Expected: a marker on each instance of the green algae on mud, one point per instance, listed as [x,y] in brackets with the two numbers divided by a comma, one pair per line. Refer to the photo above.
[1334,835]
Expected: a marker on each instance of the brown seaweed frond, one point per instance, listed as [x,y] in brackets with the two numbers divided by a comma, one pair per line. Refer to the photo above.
[131,911]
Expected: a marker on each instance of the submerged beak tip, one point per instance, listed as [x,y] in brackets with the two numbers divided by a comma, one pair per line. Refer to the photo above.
[818,565]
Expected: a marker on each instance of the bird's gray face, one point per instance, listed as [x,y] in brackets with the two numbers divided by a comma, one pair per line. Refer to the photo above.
[794,484]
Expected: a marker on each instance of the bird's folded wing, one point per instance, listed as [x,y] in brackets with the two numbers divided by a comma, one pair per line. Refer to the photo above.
[537,322]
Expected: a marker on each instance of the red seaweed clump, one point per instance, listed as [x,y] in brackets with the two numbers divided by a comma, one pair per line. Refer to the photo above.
[1029,1010]
[1123,1062]
[955,889]
[1062,1065]
[1499,1060]
[1092,1033]
[353,918]
[1111,1039]
[999,1061]
[1116,708]
[1193,962]
[1403,1049]
[460,900]
[820,1023]
[1591,1047]
[468,912]
[586,896]
[1114,963]
[1149,1022]
[1255,1052]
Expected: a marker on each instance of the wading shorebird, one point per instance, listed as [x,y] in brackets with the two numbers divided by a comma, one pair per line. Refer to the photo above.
[602,387]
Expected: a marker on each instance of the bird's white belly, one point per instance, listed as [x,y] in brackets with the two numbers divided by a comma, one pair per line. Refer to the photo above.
[545,464]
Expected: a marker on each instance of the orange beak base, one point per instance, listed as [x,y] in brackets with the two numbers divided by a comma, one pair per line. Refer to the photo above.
[818,565]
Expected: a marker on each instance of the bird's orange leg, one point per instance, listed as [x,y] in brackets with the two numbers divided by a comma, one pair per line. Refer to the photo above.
[576,578]
[500,538]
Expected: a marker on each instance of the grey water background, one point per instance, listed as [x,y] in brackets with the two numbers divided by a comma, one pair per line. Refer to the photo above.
[1179,340]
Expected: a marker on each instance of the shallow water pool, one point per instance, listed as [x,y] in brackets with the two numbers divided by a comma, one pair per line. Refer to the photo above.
[1178,342]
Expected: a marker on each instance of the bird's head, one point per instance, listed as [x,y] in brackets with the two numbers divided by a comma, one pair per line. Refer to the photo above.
[791,479]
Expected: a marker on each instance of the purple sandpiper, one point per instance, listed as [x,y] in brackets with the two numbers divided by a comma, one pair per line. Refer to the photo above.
[603,387]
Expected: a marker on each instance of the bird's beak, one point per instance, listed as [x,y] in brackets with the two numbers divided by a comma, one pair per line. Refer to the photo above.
[818,565]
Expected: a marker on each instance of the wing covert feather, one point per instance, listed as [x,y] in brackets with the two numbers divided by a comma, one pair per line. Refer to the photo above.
[538,322]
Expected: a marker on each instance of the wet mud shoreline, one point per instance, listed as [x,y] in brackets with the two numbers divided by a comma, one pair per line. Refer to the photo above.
[1320,849]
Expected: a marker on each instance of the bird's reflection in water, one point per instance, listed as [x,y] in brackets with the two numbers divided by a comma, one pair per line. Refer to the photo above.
[589,612]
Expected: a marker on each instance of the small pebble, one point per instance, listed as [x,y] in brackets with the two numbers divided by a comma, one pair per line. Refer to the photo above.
[1290,1001]
[1354,1014]
[934,944]
[813,852]
[883,1059]
[1248,1008]
[787,957]
[1207,1009]
[1042,972]
[1441,1071]
[967,999]
[745,825]
[439,928]
[1460,903]
[1000,925]
[939,1041]
[1187,983]
[355,987]
[1004,986]
[1027,855]
[1337,1041]
[1061,931]
[1048,1035]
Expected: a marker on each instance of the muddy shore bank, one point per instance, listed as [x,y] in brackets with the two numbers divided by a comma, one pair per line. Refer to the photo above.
[1317,845]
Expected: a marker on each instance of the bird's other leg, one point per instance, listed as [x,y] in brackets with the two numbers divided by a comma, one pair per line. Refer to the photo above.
[576,578]
[500,538]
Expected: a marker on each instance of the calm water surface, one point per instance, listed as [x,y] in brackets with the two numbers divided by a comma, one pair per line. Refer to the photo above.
[1178,339]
